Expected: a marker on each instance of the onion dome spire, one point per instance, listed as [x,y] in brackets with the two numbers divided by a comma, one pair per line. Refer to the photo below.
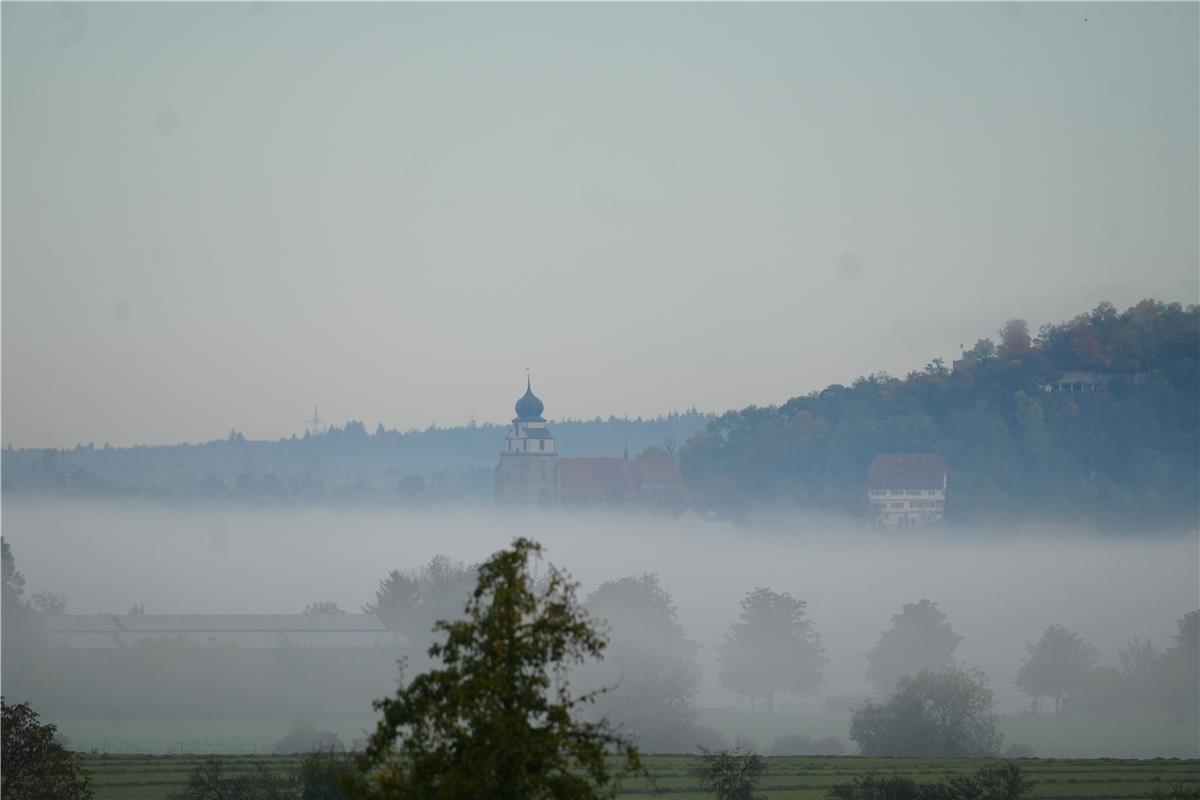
[529,408]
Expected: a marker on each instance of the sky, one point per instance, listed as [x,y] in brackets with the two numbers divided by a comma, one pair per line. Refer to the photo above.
[218,215]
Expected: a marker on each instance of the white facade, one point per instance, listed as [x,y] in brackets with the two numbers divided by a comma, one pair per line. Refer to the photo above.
[907,489]
[896,508]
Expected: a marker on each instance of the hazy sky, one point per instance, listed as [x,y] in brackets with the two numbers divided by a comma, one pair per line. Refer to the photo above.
[216,215]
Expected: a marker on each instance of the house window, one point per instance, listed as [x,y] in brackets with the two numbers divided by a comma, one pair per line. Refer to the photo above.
[541,444]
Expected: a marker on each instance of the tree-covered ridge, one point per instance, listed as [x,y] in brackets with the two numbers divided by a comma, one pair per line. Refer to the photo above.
[1118,446]
[349,463]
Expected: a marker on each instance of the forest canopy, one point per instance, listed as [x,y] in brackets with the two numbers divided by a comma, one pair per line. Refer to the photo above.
[1092,420]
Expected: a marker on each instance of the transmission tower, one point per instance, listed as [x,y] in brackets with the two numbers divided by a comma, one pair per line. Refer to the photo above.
[316,425]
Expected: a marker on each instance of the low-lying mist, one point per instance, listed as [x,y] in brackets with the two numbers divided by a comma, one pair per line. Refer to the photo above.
[998,590]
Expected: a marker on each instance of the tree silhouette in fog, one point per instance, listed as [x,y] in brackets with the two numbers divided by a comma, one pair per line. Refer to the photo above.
[650,665]
[1181,664]
[1057,665]
[920,639]
[412,601]
[772,647]
[930,714]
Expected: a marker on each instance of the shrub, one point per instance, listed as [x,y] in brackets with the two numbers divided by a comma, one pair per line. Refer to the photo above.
[931,714]
[1003,782]
[730,774]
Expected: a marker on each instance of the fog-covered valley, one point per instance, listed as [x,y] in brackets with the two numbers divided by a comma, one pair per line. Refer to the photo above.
[999,590]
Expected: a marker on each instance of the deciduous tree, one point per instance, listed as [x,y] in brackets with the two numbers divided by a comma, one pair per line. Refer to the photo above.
[497,719]
[920,639]
[36,767]
[772,647]
[1057,665]
[650,665]
[1014,338]
[412,601]
[1181,667]
[931,714]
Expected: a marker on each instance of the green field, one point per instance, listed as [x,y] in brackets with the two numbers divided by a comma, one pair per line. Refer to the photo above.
[141,777]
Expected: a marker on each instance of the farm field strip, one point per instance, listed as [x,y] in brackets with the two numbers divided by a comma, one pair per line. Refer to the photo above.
[154,777]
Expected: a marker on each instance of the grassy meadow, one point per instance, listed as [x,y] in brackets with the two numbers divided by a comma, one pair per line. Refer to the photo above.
[145,777]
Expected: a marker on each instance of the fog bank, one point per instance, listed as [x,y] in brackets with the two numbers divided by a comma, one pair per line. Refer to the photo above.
[998,591]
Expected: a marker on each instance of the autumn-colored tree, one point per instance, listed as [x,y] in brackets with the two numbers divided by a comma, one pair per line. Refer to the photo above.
[1085,345]
[1014,338]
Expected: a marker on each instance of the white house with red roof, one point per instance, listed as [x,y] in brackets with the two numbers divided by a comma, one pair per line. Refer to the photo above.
[907,489]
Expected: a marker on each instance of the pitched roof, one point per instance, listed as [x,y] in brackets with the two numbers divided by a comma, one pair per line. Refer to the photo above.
[249,631]
[611,479]
[186,623]
[907,471]
[595,479]
[655,470]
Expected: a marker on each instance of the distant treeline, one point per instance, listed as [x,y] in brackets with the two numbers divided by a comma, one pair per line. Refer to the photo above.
[343,464]
[1093,420]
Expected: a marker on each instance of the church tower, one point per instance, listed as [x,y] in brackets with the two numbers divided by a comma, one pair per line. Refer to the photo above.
[528,470]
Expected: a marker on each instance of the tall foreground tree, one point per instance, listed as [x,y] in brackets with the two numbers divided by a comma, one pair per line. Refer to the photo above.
[1057,665]
[772,647]
[497,720]
[920,639]
[36,767]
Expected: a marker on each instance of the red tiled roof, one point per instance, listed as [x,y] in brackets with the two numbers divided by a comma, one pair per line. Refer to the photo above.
[907,471]
[595,479]
[655,470]
[611,479]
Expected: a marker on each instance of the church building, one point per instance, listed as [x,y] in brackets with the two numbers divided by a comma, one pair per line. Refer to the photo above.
[531,472]
[528,470]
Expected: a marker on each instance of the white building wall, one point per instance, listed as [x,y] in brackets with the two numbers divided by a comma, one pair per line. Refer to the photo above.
[896,508]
